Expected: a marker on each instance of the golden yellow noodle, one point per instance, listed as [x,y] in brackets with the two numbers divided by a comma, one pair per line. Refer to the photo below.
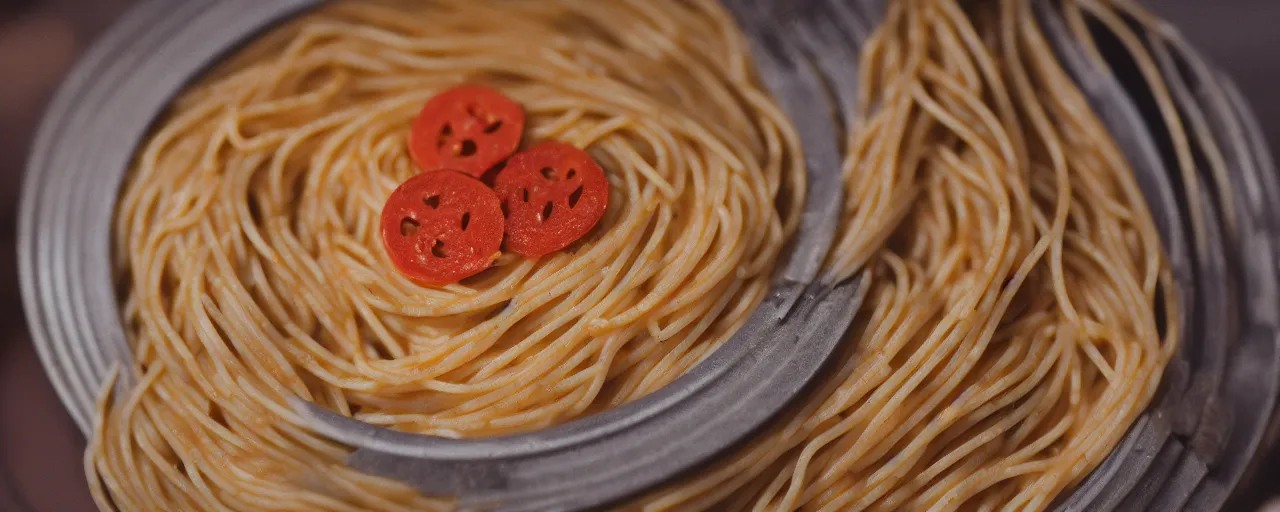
[1008,340]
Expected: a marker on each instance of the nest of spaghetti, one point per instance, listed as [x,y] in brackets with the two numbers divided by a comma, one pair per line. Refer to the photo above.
[1019,313]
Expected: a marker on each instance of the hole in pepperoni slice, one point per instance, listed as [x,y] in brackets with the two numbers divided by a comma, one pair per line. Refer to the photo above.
[446,133]
[575,197]
[408,227]
[546,214]
[467,128]
[441,227]
[467,148]
[491,123]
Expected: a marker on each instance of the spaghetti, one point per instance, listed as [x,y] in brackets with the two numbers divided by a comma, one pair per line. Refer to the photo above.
[1009,339]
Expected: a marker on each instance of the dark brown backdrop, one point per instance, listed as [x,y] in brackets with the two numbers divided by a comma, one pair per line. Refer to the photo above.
[40,450]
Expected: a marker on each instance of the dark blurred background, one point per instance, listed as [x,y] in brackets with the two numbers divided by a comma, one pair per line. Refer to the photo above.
[40,449]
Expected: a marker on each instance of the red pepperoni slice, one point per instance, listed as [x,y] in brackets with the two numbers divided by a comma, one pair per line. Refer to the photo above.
[468,128]
[441,227]
[554,194]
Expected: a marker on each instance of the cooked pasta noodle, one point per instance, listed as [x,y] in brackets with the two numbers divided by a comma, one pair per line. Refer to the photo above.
[1009,338]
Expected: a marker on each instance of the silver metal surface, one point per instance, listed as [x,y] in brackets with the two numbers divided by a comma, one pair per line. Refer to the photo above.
[81,153]
[1186,452]
[1218,420]
[1121,470]
[757,373]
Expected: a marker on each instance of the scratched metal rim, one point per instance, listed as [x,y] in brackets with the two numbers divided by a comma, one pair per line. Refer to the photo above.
[101,115]
[85,142]
[128,77]
[1200,436]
